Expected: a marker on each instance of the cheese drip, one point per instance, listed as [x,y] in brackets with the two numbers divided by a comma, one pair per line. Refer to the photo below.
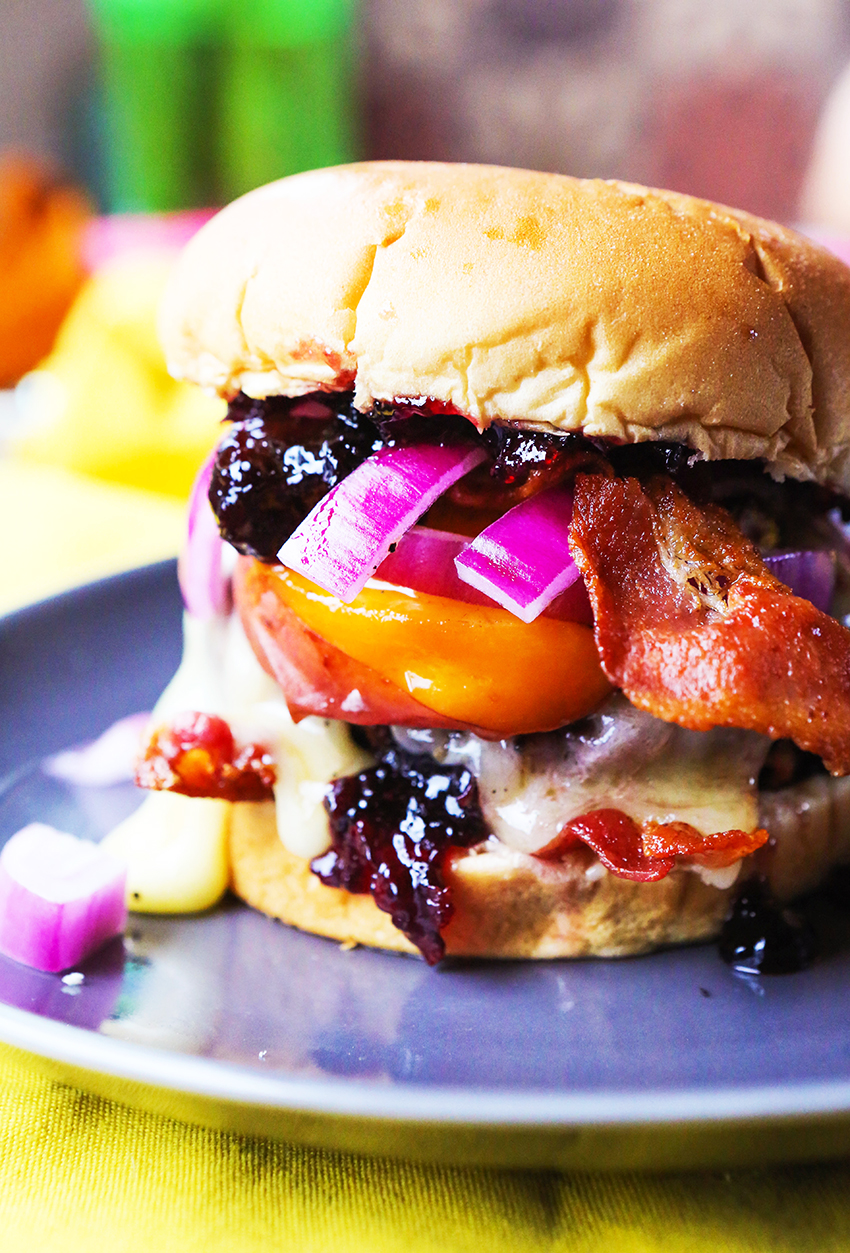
[529,787]
[219,674]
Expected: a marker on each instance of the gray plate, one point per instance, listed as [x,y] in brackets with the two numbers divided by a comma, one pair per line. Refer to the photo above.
[235,1021]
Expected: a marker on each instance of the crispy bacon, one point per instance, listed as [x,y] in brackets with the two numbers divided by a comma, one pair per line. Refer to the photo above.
[195,754]
[649,852]
[680,839]
[618,843]
[694,628]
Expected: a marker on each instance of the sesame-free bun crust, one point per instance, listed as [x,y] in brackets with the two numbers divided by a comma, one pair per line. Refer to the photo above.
[508,904]
[561,303]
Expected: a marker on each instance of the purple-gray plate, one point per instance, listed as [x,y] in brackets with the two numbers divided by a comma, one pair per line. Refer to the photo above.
[234,1021]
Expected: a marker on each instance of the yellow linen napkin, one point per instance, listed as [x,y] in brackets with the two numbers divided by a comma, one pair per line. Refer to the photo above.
[103,403]
[82,1175]
[60,529]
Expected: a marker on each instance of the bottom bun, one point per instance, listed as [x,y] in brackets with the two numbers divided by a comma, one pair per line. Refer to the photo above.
[509,904]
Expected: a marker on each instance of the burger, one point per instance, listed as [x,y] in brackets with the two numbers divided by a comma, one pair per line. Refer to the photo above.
[534,489]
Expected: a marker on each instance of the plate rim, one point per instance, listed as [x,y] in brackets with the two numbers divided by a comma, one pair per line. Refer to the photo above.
[414,1104]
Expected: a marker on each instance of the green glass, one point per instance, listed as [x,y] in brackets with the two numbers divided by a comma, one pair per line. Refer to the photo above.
[284,109]
[158,126]
[205,99]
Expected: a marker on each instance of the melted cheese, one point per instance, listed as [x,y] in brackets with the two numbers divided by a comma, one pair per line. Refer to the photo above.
[175,850]
[175,846]
[621,758]
[219,674]
[527,804]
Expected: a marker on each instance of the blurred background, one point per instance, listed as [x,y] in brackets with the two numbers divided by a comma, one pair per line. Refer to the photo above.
[167,104]
[123,123]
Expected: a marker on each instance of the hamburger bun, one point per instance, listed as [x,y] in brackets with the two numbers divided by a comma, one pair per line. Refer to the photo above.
[559,303]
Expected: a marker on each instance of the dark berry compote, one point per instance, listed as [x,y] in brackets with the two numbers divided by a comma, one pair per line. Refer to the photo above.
[281,455]
[393,827]
[760,937]
[277,459]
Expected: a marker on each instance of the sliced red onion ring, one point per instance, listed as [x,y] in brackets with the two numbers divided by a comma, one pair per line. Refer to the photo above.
[60,898]
[205,588]
[523,560]
[424,560]
[810,574]
[341,543]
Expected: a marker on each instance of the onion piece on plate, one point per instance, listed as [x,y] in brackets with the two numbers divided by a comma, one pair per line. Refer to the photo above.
[205,587]
[341,543]
[523,559]
[810,574]
[60,898]
[108,760]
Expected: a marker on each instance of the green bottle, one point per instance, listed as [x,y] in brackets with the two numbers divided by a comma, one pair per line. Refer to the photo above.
[205,99]
[288,100]
[157,61]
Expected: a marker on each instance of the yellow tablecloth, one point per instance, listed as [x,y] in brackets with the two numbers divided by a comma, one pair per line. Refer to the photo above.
[80,1173]
[60,529]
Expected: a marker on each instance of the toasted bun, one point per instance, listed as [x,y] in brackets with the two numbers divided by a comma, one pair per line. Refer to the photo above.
[536,298]
[508,904]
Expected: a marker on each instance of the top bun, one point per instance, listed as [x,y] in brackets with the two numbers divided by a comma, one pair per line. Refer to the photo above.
[561,303]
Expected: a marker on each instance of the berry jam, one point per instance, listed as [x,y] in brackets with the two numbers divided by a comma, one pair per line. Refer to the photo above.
[518,455]
[392,828]
[759,937]
[281,455]
[277,460]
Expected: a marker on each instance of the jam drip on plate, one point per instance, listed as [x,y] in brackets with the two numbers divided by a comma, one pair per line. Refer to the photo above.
[760,937]
[393,827]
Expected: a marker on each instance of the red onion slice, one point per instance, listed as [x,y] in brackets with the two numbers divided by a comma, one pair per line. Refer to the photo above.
[810,574]
[424,561]
[60,898]
[523,560]
[341,543]
[205,588]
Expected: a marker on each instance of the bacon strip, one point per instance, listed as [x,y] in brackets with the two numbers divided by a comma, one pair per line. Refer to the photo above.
[195,754]
[694,628]
[617,841]
[680,839]
[647,853]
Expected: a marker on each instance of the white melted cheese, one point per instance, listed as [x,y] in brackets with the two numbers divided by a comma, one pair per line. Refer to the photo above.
[620,758]
[219,674]
[175,851]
